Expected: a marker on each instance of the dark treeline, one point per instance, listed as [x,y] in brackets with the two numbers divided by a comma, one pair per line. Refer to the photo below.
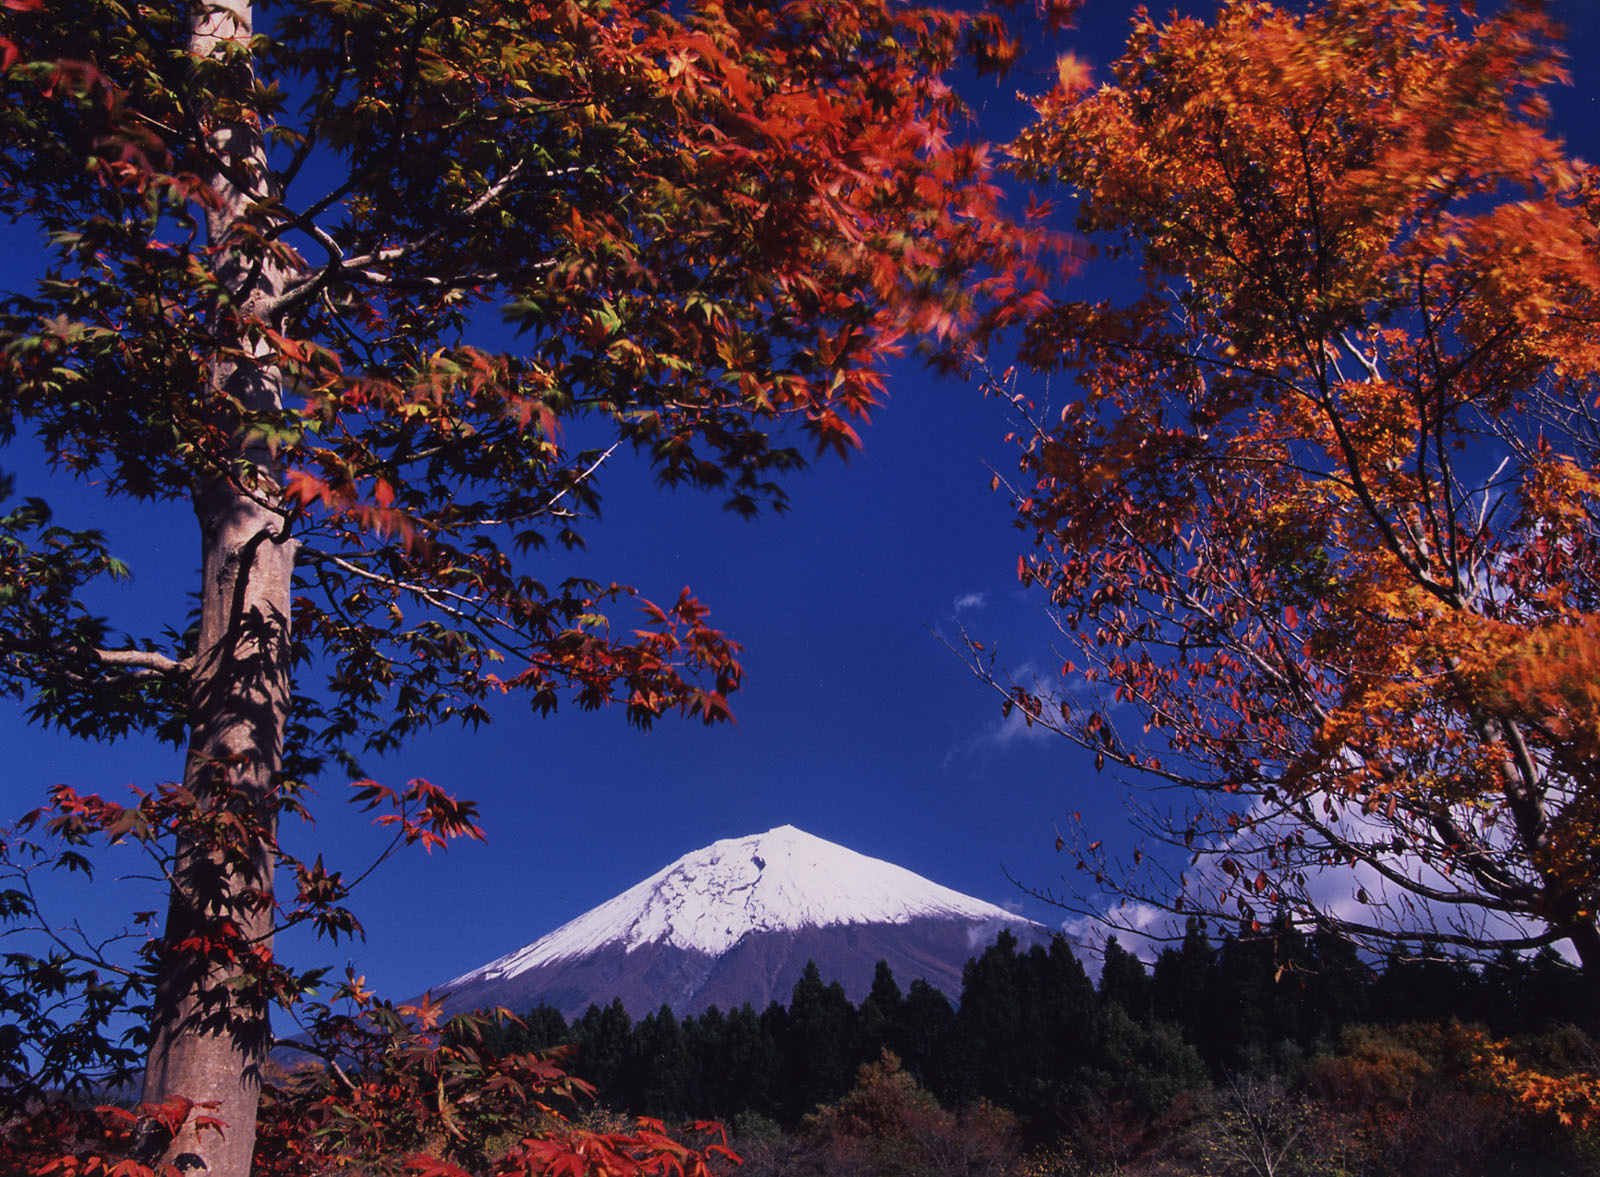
[1032,1032]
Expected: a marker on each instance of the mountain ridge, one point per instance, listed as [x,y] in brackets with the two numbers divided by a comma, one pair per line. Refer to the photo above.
[729,923]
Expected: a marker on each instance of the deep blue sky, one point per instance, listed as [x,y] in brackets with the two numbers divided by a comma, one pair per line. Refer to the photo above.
[856,724]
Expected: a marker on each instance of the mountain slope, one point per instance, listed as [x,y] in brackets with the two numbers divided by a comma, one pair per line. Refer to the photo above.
[737,922]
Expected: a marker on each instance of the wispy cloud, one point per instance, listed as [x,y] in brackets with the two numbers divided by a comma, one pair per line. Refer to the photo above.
[1011,729]
[968,601]
[1359,894]
[1014,728]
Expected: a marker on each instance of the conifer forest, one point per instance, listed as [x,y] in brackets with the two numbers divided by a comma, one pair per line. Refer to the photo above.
[1279,1042]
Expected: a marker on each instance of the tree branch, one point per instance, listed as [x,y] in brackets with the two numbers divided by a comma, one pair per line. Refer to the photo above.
[308,286]
[147,660]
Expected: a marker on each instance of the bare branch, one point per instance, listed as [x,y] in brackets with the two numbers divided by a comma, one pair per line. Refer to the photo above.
[149,660]
[309,285]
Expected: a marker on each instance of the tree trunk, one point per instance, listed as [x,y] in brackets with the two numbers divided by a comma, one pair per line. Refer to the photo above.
[210,1025]
[210,1030]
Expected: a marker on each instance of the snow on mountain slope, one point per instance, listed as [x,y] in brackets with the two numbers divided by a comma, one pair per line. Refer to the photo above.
[784,880]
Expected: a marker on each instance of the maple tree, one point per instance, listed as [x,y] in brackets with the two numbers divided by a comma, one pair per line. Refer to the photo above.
[1317,521]
[275,231]
[400,1093]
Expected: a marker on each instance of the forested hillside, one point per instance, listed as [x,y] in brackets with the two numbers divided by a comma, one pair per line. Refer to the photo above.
[1276,1029]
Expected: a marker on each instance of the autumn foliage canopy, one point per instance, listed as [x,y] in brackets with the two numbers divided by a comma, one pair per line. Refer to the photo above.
[1320,523]
[378,288]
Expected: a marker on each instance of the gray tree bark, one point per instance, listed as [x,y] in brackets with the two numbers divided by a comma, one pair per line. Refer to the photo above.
[210,1027]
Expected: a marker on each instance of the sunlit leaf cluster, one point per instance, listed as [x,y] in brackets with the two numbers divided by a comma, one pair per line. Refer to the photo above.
[1319,514]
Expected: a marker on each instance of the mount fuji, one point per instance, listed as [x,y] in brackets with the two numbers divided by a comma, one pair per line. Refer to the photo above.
[737,922]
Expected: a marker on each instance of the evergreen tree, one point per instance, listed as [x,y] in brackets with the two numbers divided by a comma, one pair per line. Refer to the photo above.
[885,992]
[1254,1017]
[1525,994]
[1124,982]
[736,1064]
[601,1037]
[775,1024]
[1422,989]
[878,1010]
[1183,983]
[1336,992]
[923,1034]
[820,1044]
[541,1028]
[706,1039]
[992,1022]
[1027,1022]
[657,1073]
[1557,993]
[1065,1011]
[751,1065]
[545,1027]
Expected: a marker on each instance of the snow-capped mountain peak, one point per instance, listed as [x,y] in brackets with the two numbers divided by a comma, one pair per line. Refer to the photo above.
[784,880]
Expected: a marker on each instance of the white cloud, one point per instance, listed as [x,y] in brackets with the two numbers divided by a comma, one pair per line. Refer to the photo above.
[1359,894]
[1010,729]
[1015,728]
[971,601]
